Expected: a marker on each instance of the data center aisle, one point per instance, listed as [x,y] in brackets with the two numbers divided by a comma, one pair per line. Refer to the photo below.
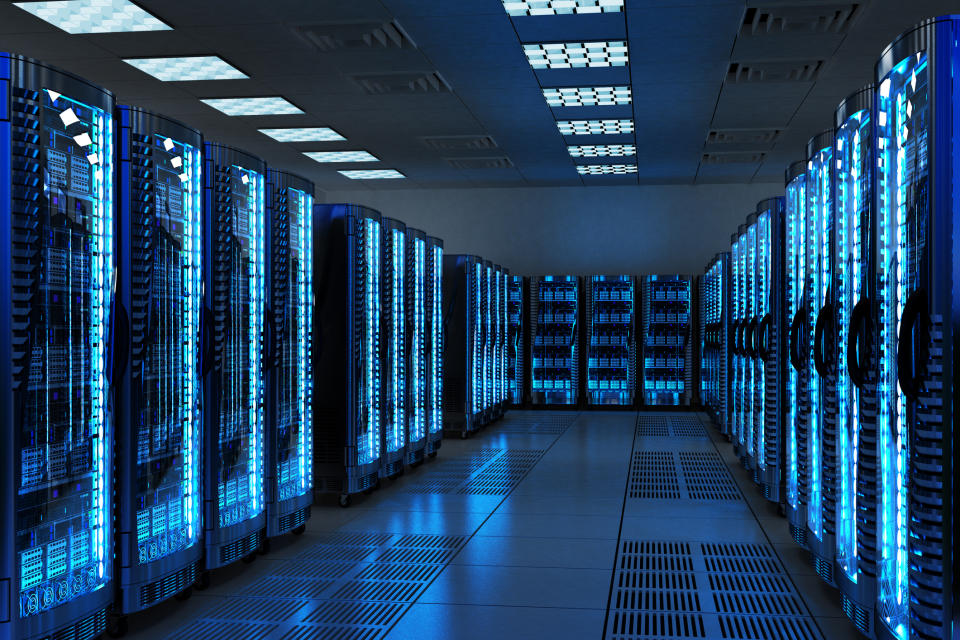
[515,533]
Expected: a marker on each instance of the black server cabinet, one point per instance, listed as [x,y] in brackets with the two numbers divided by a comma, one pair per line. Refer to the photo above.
[157,359]
[393,343]
[715,340]
[234,514]
[518,291]
[346,329]
[288,444]
[743,445]
[415,335]
[434,344]
[739,315]
[488,292]
[917,207]
[463,354]
[821,436]
[555,337]
[611,346]
[56,424]
[500,340]
[667,340]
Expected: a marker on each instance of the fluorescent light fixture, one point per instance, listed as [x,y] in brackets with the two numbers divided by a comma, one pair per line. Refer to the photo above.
[94,16]
[594,127]
[587,96]
[577,55]
[257,106]
[341,156]
[304,134]
[606,169]
[186,69]
[602,150]
[372,174]
[560,7]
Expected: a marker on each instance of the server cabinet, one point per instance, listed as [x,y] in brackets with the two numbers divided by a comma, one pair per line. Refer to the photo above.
[555,329]
[488,290]
[500,341]
[611,347]
[393,363]
[738,252]
[434,344]
[917,206]
[715,340]
[744,443]
[157,359]
[769,348]
[56,423]
[518,290]
[346,328]
[288,444]
[822,437]
[415,335]
[667,340]
[234,515]
[463,354]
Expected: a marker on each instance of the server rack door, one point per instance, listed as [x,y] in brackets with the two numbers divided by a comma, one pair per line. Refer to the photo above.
[611,349]
[516,347]
[289,353]
[724,339]
[157,382]
[751,378]
[393,348]
[554,322]
[416,346]
[56,269]
[667,352]
[462,344]
[500,343]
[435,344]
[347,330]
[234,268]
[489,339]
[736,305]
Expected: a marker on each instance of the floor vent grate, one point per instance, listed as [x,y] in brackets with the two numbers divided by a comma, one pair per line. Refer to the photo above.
[653,474]
[652,427]
[220,630]
[706,476]
[378,591]
[257,610]
[768,628]
[300,568]
[286,587]
[663,626]
[305,632]
[740,558]
[503,474]
[342,612]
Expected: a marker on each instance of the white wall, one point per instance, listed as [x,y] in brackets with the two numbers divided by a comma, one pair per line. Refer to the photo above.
[578,230]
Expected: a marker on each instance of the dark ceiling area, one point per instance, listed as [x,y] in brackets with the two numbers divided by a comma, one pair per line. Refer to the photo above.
[723,91]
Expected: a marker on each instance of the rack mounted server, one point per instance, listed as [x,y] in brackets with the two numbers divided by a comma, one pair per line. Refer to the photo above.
[464,350]
[715,340]
[555,336]
[667,340]
[611,346]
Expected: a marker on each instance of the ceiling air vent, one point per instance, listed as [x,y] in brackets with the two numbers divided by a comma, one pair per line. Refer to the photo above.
[355,35]
[805,18]
[458,143]
[774,71]
[497,162]
[743,136]
[402,83]
[750,157]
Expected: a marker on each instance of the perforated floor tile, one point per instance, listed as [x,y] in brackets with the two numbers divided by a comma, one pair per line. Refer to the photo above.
[680,475]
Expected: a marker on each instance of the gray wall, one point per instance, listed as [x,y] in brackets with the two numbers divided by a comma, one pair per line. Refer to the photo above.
[578,230]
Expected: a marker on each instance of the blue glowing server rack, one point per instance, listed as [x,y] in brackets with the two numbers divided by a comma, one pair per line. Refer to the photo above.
[821,436]
[739,314]
[611,346]
[917,207]
[434,344]
[393,343]
[234,517]
[288,441]
[747,245]
[667,340]
[463,352]
[518,291]
[555,336]
[715,340]
[157,358]
[499,309]
[56,266]
[415,335]
[488,332]
[347,329]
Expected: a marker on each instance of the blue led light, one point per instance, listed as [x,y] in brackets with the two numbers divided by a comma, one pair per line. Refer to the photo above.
[368,435]
[796,206]
[418,376]
[479,362]
[436,341]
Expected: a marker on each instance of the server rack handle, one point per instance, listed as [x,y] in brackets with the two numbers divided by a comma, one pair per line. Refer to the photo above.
[796,338]
[913,344]
[750,339]
[822,345]
[735,331]
[763,336]
[859,338]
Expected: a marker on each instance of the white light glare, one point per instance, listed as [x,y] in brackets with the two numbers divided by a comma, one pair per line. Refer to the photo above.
[594,127]
[256,106]
[168,145]
[188,68]
[94,16]
[303,134]
[68,117]
[83,140]
[372,174]
[560,7]
[587,96]
[577,55]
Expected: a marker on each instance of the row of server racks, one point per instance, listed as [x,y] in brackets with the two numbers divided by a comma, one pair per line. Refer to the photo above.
[574,341]
[834,318]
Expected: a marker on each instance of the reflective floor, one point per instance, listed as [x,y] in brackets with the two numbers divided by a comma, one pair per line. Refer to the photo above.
[543,525]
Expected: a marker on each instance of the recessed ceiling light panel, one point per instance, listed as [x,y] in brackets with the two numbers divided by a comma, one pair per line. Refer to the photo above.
[587,96]
[594,127]
[577,55]
[260,106]
[186,69]
[372,174]
[304,134]
[606,169]
[560,7]
[94,16]
[602,150]
[341,156]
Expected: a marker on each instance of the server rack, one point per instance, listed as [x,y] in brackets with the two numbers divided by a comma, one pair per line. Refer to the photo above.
[489,340]
[667,340]
[917,262]
[463,351]
[157,360]
[769,345]
[56,265]
[611,347]
[288,445]
[500,330]
[393,424]
[715,339]
[234,517]
[738,371]
[744,444]
[822,448]
[347,330]
[416,347]
[518,290]
[554,330]
[434,344]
